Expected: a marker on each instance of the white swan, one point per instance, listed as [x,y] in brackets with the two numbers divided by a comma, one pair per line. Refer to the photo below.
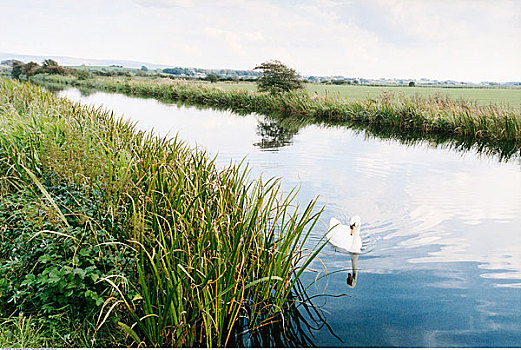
[346,237]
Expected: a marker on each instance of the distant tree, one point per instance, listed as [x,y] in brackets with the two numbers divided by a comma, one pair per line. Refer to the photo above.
[178,71]
[144,68]
[412,84]
[31,69]
[123,74]
[17,69]
[23,71]
[55,70]
[83,74]
[212,78]
[49,63]
[51,67]
[277,77]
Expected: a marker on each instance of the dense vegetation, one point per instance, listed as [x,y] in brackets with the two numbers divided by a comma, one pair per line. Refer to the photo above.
[429,115]
[111,236]
[23,71]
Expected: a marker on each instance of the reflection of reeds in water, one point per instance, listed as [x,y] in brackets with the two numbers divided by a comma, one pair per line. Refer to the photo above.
[292,328]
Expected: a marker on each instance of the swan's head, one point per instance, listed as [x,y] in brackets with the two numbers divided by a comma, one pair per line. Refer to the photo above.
[355,223]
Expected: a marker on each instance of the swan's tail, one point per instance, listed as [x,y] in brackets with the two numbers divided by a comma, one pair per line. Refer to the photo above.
[333,222]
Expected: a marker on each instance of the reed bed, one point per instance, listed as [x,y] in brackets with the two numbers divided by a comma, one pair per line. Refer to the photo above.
[433,115]
[174,251]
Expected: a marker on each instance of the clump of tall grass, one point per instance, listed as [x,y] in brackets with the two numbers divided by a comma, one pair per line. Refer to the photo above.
[433,115]
[209,246]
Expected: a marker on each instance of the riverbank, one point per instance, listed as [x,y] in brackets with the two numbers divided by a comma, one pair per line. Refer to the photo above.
[430,116]
[117,237]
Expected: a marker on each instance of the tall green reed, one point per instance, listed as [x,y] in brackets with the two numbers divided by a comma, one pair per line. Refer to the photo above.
[210,245]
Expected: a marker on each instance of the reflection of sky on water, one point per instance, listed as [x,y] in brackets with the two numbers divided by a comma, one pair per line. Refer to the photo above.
[447,225]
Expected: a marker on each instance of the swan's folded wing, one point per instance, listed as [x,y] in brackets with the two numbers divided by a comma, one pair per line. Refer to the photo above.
[339,236]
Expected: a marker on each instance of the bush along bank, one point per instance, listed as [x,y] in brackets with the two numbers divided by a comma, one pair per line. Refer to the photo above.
[433,115]
[125,238]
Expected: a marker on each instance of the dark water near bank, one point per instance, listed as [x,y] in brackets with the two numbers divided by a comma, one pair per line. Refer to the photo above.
[442,228]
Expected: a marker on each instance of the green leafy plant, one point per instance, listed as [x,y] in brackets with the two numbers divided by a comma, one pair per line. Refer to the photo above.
[46,269]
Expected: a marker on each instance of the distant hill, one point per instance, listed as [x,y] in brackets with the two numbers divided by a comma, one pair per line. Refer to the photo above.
[76,61]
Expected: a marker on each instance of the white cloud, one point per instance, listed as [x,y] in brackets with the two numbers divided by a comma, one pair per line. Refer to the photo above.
[165,3]
[458,40]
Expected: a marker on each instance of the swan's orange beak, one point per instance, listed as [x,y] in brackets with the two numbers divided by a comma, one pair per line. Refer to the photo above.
[352,229]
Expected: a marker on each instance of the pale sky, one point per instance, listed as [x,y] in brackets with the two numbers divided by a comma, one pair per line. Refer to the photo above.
[459,40]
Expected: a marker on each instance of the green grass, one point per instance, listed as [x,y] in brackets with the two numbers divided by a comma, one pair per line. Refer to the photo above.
[120,237]
[245,86]
[21,332]
[483,96]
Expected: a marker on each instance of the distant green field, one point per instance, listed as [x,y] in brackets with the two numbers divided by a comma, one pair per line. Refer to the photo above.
[502,96]
[480,95]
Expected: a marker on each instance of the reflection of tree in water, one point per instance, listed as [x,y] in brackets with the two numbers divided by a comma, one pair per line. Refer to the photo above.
[274,134]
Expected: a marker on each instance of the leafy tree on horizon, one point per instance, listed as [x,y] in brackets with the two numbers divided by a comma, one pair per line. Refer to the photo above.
[23,71]
[212,78]
[277,77]
[52,67]
[17,69]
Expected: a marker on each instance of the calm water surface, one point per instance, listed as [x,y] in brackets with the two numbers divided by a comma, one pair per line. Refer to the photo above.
[442,228]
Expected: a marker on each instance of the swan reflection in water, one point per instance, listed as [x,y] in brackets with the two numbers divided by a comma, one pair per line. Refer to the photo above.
[352,276]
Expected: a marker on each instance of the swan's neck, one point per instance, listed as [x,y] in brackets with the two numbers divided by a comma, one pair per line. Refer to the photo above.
[356,232]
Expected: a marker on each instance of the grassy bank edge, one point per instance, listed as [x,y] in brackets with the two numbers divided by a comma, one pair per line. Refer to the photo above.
[434,115]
